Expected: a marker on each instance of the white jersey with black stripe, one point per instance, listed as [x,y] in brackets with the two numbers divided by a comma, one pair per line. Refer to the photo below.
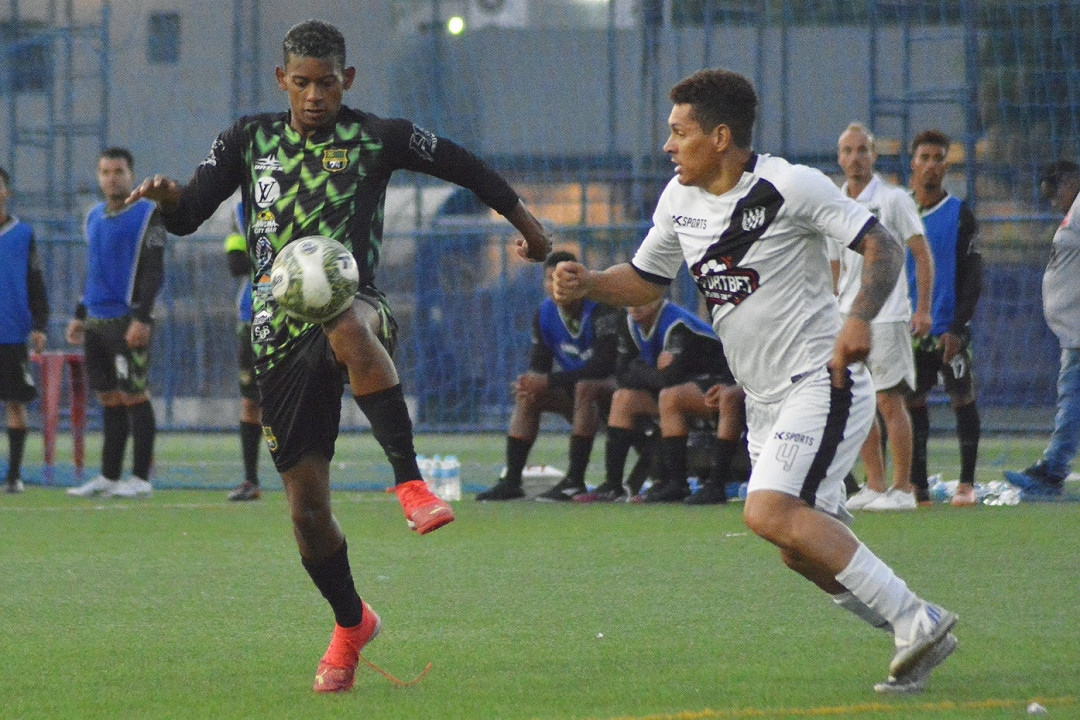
[897,212]
[758,256]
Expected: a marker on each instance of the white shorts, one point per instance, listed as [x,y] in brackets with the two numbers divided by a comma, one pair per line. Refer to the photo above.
[891,360]
[805,443]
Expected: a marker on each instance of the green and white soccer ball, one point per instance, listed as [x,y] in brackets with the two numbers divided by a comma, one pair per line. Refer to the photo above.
[314,279]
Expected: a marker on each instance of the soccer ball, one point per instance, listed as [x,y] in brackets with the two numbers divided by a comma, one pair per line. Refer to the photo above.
[314,279]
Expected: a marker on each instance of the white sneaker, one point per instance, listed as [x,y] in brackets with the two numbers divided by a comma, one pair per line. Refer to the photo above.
[100,485]
[929,628]
[133,487]
[890,500]
[915,680]
[861,499]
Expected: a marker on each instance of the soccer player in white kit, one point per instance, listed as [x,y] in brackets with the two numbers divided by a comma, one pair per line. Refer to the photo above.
[753,229]
[891,360]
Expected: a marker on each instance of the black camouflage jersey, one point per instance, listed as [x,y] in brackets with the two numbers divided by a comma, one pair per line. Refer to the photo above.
[331,183]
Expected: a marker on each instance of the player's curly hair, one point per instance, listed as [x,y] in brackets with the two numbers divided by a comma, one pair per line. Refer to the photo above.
[931,137]
[315,39]
[720,97]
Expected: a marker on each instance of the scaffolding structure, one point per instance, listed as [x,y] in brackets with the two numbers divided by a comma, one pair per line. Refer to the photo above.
[56,96]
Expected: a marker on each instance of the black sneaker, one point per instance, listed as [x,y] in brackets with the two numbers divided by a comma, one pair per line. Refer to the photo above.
[665,492]
[245,492]
[708,494]
[14,486]
[563,492]
[501,490]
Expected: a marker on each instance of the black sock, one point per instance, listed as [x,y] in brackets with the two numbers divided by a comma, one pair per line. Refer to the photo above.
[115,427]
[720,472]
[580,450]
[334,579]
[920,433]
[16,445]
[967,431]
[673,450]
[391,426]
[619,441]
[143,430]
[250,439]
[517,454]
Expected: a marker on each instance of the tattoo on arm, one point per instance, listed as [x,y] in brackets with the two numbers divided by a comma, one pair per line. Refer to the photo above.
[882,258]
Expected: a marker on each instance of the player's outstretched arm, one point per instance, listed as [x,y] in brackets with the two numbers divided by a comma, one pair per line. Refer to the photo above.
[619,285]
[162,190]
[533,243]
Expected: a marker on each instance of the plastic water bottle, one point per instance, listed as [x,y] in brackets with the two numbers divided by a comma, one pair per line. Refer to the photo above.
[451,479]
[938,490]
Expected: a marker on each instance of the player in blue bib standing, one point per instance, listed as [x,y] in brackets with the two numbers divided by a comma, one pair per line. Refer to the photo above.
[24,315]
[125,267]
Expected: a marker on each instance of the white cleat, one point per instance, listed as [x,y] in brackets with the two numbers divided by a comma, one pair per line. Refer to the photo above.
[100,485]
[861,499]
[133,487]
[892,500]
[931,625]
[915,680]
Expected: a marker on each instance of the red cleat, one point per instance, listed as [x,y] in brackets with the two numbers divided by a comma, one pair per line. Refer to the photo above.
[337,668]
[423,511]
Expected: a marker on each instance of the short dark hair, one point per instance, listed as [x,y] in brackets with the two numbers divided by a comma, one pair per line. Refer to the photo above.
[559,256]
[5,177]
[119,153]
[931,137]
[314,39]
[1057,171]
[720,97]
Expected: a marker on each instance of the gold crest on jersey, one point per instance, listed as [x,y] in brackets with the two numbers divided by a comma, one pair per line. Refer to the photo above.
[335,160]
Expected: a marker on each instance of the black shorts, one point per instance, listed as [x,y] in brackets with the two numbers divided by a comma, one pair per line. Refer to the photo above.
[245,363]
[301,394]
[16,382]
[956,376]
[110,363]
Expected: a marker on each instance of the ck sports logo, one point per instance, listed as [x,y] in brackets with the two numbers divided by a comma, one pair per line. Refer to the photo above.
[267,191]
[718,276]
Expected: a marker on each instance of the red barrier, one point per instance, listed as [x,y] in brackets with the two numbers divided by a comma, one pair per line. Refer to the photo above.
[52,364]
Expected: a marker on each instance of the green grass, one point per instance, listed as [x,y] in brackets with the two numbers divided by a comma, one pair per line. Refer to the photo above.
[186,606]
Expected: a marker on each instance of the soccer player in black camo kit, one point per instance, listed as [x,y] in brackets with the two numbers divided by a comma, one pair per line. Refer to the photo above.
[322,168]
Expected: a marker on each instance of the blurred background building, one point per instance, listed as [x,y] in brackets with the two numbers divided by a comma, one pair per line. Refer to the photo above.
[568,98]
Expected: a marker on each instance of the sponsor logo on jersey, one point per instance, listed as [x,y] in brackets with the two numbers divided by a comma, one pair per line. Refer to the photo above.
[721,284]
[692,223]
[215,148]
[268,163]
[265,222]
[267,191]
[335,160]
[784,436]
[423,143]
[264,255]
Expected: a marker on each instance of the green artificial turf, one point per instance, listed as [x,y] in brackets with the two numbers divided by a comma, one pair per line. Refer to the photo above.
[187,606]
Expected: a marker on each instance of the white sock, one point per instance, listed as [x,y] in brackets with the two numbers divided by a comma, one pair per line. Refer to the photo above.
[862,611]
[878,587]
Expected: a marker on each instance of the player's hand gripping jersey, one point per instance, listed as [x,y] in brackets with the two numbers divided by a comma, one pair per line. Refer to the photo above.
[331,183]
[758,256]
